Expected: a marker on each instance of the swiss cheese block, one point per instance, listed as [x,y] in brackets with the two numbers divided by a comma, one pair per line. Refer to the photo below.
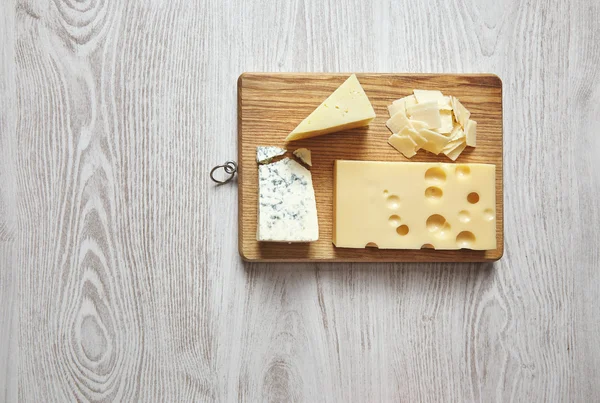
[346,108]
[287,210]
[410,205]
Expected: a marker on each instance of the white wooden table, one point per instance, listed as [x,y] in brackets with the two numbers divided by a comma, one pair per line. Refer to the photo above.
[119,273]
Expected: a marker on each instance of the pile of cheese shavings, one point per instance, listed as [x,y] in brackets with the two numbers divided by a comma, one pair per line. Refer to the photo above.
[431,121]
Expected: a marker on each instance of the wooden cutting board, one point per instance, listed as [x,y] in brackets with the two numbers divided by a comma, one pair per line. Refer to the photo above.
[270,105]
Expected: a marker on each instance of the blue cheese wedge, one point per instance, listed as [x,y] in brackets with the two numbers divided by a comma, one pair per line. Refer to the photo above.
[287,210]
[264,154]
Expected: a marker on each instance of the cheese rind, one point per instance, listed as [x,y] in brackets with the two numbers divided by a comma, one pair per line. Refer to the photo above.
[287,210]
[264,154]
[405,205]
[346,108]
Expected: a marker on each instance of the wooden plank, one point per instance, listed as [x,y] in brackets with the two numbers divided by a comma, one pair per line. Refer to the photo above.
[270,105]
[114,122]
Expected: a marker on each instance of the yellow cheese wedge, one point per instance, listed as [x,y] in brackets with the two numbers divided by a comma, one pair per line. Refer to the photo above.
[404,144]
[471,132]
[346,108]
[408,205]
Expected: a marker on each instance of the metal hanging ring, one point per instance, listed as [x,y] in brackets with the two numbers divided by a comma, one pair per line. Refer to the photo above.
[230,168]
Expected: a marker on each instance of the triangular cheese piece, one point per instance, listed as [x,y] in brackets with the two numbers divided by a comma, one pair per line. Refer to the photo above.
[304,155]
[346,108]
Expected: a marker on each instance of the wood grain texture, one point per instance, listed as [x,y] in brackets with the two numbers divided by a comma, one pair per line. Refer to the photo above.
[271,105]
[121,279]
[9,318]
